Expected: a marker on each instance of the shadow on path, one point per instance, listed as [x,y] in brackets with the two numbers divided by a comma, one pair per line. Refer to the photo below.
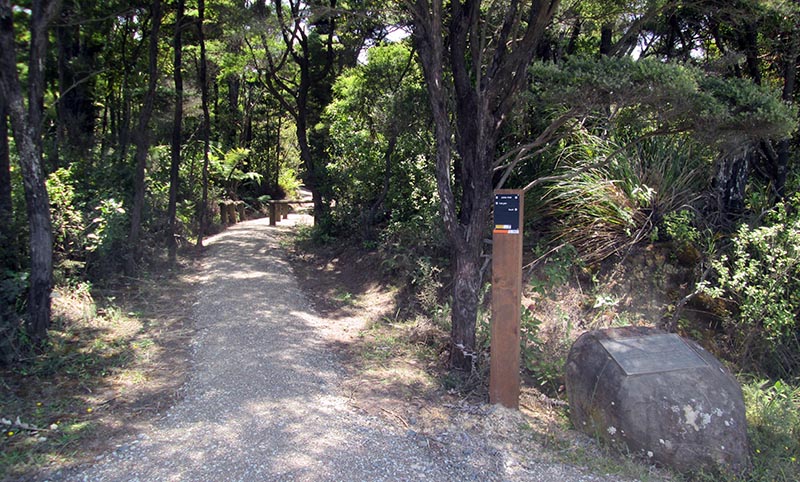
[263,399]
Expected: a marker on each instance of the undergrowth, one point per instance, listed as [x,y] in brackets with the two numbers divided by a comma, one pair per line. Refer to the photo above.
[773,418]
[52,402]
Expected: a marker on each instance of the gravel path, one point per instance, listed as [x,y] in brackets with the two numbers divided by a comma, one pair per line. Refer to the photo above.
[263,400]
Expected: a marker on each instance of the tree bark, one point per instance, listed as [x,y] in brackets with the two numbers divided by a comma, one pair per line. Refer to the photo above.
[42,12]
[76,107]
[206,130]
[606,33]
[30,158]
[177,124]
[387,180]
[484,80]
[730,182]
[8,239]
[9,321]
[142,141]
[781,169]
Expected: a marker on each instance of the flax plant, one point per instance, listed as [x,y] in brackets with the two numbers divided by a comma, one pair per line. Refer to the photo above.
[620,191]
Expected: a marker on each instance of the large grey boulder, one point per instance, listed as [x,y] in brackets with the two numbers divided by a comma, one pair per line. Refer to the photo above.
[657,395]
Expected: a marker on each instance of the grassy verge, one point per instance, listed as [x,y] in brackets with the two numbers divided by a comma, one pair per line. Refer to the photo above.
[114,357]
[773,418]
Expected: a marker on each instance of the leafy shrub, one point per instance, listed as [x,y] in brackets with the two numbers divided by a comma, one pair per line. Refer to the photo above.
[761,277]
[13,287]
[543,355]
[288,182]
[773,419]
[543,361]
[95,236]
[678,226]
[108,229]
[67,220]
[381,148]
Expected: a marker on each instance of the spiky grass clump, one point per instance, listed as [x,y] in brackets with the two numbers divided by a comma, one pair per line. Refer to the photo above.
[614,194]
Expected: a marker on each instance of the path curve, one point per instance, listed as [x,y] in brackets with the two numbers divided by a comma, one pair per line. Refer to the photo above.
[263,400]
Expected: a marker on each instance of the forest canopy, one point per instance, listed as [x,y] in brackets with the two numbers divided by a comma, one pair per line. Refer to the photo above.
[130,126]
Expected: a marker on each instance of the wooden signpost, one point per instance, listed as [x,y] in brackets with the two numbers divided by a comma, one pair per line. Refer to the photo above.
[506,297]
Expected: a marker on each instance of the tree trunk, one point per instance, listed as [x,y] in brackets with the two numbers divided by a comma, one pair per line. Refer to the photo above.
[76,106]
[229,127]
[749,43]
[42,11]
[142,141]
[466,289]
[206,130]
[729,185]
[30,159]
[312,175]
[277,174]
[177,124]
[387,179]
[781,169]
[9,321]
[8,239]
[606,33]
[485,78]
[124,115]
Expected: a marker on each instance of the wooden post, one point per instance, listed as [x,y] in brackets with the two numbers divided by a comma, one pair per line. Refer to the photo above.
[223,212]
[504,366]
[273,213]
[285,211]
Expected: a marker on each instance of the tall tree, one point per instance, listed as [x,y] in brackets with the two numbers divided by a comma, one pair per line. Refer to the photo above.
[480,55]
[301,90]
[142,139]
[7,237]
[177,133]
[26,126]
[9,321]
[206,127]
[76,49]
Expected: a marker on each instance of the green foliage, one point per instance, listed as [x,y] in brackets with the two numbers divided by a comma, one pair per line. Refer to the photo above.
[69,226]
[649,95]
[773,422]
[426,282]
[615,195]
[288,182]
[108,229]
[227,168]
[96,236]
[403,244]
[761,277]
[555,269]
[380,144]
[13,288]
[678,226]
[542,356]
[543,359]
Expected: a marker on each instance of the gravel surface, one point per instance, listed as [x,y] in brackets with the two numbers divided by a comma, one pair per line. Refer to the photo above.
[263,401]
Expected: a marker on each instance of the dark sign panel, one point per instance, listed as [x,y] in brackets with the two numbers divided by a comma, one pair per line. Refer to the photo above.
[652,354]
[506,213]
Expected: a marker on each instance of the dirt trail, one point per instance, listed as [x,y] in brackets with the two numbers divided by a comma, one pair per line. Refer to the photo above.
[264,398]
